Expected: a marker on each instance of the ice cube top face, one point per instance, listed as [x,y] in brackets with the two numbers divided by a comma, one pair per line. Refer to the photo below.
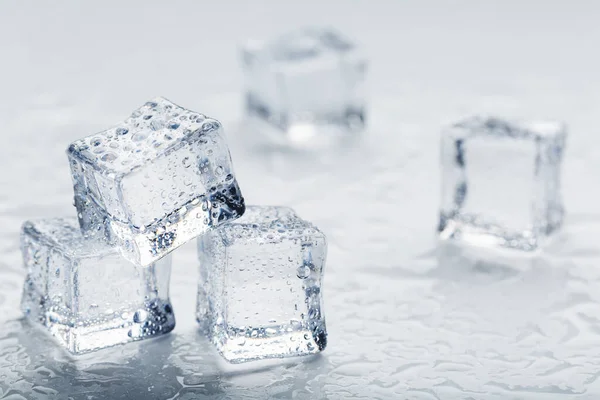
[313,76]
[155,181]
[259,294]
[501,182]
[86,294]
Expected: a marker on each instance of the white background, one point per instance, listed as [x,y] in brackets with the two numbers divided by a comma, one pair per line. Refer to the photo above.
[402,322]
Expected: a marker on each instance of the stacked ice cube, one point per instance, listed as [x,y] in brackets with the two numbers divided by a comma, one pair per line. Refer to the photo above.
[143,188]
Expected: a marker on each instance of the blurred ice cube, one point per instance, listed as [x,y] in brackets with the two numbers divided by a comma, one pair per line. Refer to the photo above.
[308,85]
[501,182]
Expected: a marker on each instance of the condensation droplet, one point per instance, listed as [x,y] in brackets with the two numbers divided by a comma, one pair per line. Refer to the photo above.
[140,316]
[108,157]
[140,136]
[303,272]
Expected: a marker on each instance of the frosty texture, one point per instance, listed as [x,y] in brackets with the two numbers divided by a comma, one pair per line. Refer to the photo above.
[155,181]
[305,81]
[259,294]
[86,294]
[501,182]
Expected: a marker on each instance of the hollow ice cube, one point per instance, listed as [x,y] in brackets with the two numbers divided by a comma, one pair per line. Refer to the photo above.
[259,294]
[501,182]
[308,84]
[86,294]
[155,181]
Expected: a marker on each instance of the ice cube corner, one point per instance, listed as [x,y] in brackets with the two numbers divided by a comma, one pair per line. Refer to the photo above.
[154,181]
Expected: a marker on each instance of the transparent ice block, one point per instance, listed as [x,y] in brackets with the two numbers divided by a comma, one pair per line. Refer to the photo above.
[308,84]
[86,294]
[259,294]
[155,181]
[501,182]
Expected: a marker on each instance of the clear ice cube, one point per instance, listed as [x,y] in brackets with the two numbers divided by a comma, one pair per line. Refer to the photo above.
[308,84]
[155,181]
[86,294]
[501,182]
[259,294]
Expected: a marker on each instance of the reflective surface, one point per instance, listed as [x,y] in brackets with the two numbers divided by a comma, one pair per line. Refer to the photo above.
[404,320]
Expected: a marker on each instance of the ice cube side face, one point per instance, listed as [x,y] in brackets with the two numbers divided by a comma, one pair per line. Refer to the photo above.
[259,294]
[305,80]
[86,294]
[154,182]
[501,182]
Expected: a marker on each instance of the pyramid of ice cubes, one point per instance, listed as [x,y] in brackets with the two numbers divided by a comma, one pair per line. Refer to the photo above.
[143,188]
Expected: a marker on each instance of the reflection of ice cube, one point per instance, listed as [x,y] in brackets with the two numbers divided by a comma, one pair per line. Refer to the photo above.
[309,81]
[86,294]
[259,294]
[157,180]
[501,182]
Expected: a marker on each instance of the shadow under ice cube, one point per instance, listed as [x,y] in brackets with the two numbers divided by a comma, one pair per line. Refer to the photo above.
[259,294]
[308,84]
[501,182]
[86,294]
[157,180]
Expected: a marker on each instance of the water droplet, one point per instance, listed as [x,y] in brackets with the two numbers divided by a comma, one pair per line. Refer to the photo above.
[140,316]
[310,346]
[122,131]
[303,272]
[295,324]
[270,331]
[173,125]
[186,162]
[138,137]
[108,157]
[219,170]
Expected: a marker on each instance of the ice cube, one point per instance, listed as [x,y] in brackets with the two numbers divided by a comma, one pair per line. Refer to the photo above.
[308,84]
[501,182]
[86,294]
[155,181]
[259,294]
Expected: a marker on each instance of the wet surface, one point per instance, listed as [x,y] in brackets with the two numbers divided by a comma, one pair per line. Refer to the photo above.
[405,319]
